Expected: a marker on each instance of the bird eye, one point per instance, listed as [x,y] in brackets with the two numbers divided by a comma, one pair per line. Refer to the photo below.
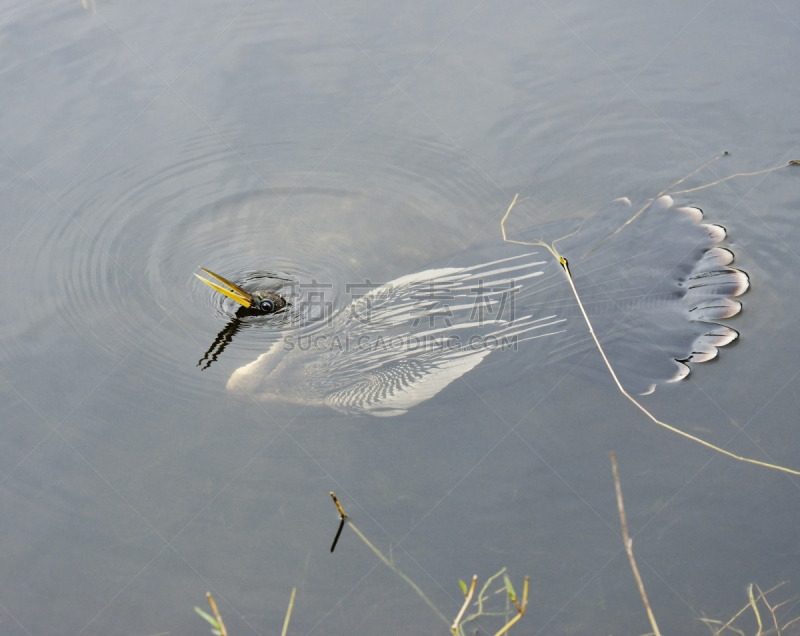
[267,306]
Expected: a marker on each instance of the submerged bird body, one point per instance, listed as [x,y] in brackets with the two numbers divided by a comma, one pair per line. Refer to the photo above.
[653,292]
[401,343]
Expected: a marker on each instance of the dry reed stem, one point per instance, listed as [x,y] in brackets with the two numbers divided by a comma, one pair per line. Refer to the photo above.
[752,604]
[289,612]
[508,625]
[755,609]
[338,506]
[565,265]
[769,607]
[629,545]
[791,622]
[214,609]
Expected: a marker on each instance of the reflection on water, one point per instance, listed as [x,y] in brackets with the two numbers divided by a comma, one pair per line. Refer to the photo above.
[223,339]
[336,144]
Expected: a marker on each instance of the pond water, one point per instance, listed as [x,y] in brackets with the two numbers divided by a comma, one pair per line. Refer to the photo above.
[353,144]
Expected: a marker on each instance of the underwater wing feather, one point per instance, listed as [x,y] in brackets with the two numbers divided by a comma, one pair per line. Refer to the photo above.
[405,341]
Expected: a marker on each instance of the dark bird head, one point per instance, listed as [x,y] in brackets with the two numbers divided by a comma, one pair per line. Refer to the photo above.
[257,302]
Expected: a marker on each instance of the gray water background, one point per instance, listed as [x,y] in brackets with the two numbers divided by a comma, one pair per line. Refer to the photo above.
[366,140]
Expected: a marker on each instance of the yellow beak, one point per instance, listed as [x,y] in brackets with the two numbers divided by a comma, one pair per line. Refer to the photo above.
[235,293]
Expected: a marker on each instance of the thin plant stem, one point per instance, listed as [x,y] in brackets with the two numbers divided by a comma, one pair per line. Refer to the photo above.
[454,626]
[648,413]
[482,592]
[755,609]
[729,624]
[214,609]
[394,569]
[629,546]
[289,612]
[791,622]
[733,176]
[762,596]
[649,203]
[338,506]
[387,562]
[508,625]
[752,604]
[520,609]
[565,265]
[670,191]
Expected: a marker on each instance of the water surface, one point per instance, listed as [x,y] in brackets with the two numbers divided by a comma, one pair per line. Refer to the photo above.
[350,142]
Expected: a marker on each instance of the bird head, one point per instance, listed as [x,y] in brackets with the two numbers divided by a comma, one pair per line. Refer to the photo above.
[261,301]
